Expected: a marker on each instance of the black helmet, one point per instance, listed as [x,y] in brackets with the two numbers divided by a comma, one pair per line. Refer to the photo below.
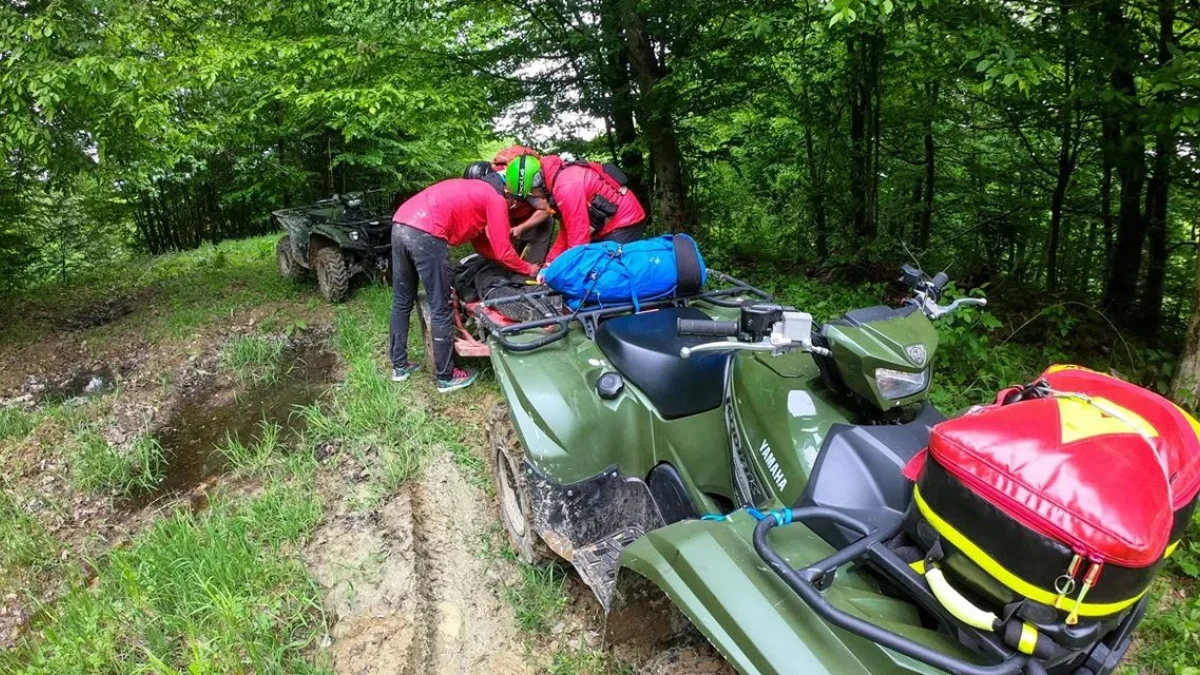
[478,170]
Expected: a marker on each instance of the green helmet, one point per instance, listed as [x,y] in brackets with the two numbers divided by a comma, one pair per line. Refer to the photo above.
[519,176]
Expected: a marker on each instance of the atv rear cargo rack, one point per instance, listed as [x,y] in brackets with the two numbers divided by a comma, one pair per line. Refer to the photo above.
[557,326]
[811,582]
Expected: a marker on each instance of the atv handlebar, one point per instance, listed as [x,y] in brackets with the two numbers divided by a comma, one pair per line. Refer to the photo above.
[707,327]
[926,292]
[939,281]
[761,328]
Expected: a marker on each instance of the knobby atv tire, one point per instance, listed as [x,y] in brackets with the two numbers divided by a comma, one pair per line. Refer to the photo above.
[506,458]
[333,278]
[286,261]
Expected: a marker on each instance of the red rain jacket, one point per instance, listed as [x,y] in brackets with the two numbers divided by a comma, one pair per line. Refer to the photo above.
[572,188]
[459,210]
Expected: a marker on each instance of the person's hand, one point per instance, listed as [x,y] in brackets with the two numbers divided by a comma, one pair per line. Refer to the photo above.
[541,276]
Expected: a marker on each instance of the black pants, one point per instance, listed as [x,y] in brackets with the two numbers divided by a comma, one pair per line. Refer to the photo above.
[420,255]
[625,235]
[534,244]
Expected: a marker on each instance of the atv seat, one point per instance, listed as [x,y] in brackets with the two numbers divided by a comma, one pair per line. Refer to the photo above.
[645,349]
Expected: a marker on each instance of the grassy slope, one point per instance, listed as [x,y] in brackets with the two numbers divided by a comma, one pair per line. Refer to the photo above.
[226,591]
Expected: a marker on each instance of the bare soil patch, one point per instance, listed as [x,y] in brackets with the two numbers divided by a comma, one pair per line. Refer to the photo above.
[408,589]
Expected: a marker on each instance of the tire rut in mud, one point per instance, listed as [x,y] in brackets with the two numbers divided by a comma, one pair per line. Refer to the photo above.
[468,627]
[424,656]
[407,590]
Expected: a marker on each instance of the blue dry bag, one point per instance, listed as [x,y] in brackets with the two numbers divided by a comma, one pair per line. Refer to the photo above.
[607,273]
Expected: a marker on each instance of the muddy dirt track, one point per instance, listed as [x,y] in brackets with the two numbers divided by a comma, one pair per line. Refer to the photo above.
[408,587]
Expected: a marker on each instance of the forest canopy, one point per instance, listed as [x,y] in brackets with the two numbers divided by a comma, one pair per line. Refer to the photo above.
[1046,148]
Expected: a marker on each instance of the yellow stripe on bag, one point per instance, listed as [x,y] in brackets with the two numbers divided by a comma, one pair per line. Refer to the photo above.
[1171,548]
[1028,641]
[1098,416]
[1012,581]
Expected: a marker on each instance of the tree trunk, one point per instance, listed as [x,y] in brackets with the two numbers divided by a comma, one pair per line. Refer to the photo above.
[816,179]
[1185,385]
[1056,206]
[1066,160]
[1106,213]
[1129,161]
[931,93]
[1159,186]
[665,156]
[621,102]
[862,50]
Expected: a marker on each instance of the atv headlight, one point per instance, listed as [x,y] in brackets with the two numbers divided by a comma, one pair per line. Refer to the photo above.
[897,384]
[353,235]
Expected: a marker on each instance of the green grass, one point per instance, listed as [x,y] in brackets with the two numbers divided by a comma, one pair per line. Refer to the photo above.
[539,597]
[369,416]
[187,289]
[586,662]
[256,456]
[25,545]
[16,424]
[1168,639]
[252,358]
[99,467]
[224,592]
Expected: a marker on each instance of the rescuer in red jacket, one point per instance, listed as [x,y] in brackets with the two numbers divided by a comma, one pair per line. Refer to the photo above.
[592,204]
[445,214]
[532,219]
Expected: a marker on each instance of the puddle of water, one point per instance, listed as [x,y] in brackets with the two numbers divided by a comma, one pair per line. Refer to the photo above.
[80,383]
[205,421]
[98,315]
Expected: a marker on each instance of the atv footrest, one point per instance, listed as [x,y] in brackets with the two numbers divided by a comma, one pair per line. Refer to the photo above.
[597,562]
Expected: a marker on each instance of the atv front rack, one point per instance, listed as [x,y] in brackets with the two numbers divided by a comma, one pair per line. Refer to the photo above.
[811,582]
[555,327]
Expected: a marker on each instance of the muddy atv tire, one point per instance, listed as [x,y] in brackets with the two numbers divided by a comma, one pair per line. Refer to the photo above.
[505,458]
[286,260]
[333,278]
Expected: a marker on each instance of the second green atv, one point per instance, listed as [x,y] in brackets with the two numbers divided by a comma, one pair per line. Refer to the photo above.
[337,238]
[725,452]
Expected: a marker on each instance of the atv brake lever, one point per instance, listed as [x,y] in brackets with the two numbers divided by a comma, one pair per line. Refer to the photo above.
[730,345]
[936,311]
[726,345]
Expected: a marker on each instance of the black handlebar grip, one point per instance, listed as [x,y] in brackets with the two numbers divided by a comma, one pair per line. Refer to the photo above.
[939,280]
[707,327]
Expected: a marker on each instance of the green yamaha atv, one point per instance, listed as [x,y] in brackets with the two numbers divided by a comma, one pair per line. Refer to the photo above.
[338,238]
[724,452]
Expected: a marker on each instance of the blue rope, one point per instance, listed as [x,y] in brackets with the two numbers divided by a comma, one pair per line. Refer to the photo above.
[780,516]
